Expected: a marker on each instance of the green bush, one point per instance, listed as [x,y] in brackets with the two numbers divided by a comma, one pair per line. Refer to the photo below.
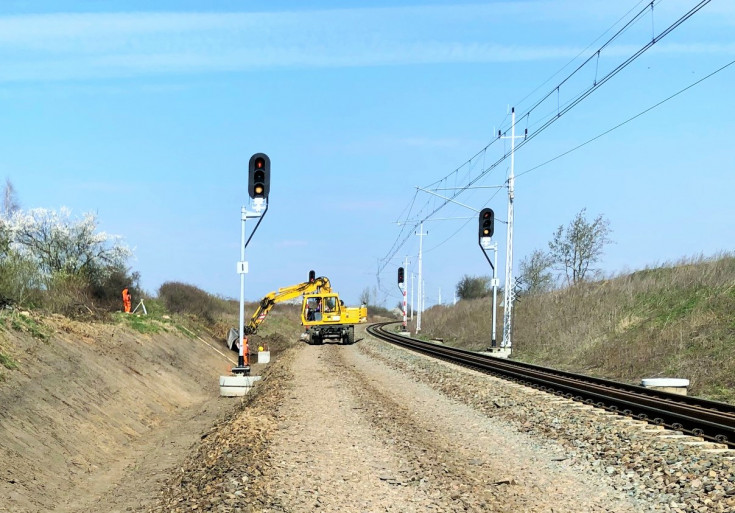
[20,281]
[106,288]
[473,287]
[183,298]
[67,294]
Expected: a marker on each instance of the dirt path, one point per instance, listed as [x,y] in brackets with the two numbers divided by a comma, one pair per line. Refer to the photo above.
[357,436]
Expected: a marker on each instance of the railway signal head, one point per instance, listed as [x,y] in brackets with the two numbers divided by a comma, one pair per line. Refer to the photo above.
[312,276]
[487,222]
[400,276]
[259,176]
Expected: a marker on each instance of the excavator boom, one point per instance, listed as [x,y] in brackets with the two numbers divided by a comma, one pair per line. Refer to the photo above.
[320,284]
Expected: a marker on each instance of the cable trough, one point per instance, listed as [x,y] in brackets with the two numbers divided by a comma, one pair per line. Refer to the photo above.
[711,420]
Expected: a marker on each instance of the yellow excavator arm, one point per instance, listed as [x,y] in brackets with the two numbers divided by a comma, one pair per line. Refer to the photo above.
[284,294]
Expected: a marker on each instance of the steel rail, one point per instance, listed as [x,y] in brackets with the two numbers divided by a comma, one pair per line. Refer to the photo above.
[710,420]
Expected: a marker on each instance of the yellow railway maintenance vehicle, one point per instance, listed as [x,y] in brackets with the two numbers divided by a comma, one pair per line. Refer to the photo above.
[323,315]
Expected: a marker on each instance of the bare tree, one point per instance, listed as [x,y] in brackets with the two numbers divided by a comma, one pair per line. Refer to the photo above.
[365,296]
[536,274]
[10,203]
[574,249]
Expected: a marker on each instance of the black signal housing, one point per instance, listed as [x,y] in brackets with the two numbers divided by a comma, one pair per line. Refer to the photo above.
[487,223]
[259,176]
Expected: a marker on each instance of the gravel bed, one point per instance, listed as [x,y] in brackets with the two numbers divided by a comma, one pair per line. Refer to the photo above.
[226,472]
[660,468]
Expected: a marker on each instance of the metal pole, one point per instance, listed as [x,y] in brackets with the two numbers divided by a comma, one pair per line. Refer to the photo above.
[423,294]
[494,341]
[403,290]
[421,288]
[241,329]
[412,303]
[508,295]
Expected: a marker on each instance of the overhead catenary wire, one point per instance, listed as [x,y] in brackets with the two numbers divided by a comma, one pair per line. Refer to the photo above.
[563,109]
[623,123]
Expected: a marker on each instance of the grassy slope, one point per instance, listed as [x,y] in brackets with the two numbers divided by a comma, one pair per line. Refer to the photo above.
[676,321]
[281,329]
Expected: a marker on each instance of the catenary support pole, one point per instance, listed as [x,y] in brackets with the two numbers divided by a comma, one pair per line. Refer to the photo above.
[421,279]
[508,293]
[412,303]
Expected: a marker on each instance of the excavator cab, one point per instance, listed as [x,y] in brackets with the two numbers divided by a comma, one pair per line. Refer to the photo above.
[321,308]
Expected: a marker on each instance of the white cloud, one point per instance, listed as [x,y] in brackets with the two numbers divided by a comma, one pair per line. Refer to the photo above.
[87,46]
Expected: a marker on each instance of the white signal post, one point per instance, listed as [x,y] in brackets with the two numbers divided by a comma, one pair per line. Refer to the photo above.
[242,269]
[258,187]
[412,303]
[404,290]
[405,316]
[487,244]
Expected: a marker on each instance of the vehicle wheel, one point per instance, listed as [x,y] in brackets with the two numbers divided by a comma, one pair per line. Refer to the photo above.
[351,335]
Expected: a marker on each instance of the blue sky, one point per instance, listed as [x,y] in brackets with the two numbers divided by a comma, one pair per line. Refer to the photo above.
[147,113]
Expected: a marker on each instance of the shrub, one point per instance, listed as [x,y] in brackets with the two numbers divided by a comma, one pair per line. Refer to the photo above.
[183,298]
[473,287]
[20,281]
[67,294]
[106,288]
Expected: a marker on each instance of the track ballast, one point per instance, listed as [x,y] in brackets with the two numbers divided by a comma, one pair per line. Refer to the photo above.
[711,420]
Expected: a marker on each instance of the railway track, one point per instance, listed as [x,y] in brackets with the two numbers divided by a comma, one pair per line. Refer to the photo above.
[711,420]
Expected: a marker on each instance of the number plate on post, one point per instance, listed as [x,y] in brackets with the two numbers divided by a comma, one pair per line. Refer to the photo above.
[242,268]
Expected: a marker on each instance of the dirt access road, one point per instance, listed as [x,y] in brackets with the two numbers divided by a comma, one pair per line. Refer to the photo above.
[357,436]
[334,429]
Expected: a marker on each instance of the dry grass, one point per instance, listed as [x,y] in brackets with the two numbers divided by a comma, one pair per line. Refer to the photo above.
[676,320]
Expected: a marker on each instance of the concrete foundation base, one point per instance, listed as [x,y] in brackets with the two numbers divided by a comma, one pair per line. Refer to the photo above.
[236,386]
[264,357]
[497,352]
[671,385]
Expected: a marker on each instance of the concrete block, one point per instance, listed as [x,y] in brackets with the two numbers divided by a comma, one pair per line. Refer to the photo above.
[236,386]
[671,385]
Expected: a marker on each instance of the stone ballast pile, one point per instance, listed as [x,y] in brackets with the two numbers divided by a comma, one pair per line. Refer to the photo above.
[672,472]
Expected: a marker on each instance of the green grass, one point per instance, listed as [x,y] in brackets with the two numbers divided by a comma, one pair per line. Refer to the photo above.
[25,324]
[7,362]
[671,321]
[143,324]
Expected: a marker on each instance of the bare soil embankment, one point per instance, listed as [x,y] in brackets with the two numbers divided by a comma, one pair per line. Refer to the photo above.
[93,417]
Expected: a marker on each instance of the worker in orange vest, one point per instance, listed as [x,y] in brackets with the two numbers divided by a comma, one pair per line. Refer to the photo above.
[127,300]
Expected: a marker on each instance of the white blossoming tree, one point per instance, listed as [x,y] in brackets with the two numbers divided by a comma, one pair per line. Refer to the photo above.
[60,244]
[71,258]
